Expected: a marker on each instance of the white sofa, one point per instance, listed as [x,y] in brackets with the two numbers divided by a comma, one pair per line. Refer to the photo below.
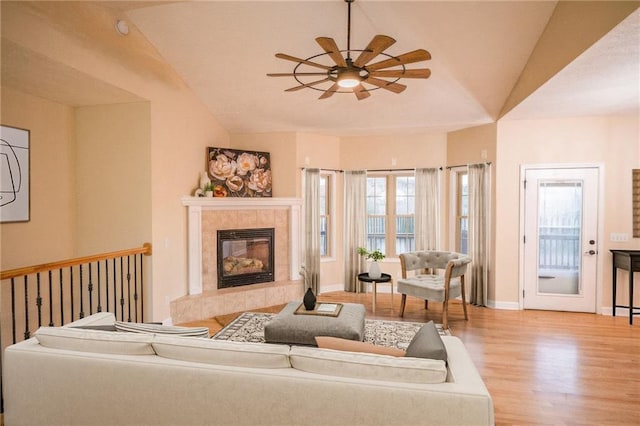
[147,379]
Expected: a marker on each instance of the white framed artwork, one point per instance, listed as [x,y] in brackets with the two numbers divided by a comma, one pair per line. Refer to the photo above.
[14,174]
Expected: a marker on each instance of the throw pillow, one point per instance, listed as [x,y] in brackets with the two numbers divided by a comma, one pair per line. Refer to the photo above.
[367,366]
[339,344]
[96,341]
[427,343]
[134,327]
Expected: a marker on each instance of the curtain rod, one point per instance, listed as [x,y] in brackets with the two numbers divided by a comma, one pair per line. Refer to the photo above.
[370,170]
[488,163]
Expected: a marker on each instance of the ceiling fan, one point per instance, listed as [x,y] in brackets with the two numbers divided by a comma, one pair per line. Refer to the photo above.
[355,75]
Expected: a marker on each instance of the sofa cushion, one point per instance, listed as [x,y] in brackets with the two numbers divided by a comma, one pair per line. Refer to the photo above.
[239,354]
[134,327]
[367,366]
[327,342]
[427,343]
[83,340]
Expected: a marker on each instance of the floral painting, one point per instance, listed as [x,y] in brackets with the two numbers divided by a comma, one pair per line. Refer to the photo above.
[239,173]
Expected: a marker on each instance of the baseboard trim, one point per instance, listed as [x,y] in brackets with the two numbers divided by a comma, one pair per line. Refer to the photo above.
[327,288]
[620,312]
[508,306]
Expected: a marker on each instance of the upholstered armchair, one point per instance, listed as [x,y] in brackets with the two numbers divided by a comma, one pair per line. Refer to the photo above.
[426,283]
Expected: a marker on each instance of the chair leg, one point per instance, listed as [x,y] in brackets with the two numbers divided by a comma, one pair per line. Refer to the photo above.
[445,311]
[464,298]
[402,303]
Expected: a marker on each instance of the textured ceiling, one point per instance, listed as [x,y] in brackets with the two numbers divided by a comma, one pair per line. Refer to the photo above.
[223,50]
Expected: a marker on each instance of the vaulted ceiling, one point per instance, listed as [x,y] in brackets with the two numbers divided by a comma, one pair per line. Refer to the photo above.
[485,57]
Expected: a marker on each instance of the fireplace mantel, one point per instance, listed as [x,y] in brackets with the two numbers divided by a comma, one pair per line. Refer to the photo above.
[196,205]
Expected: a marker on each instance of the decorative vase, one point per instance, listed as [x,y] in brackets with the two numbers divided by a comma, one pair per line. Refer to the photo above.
[208,193]
[374,270]
[309,300]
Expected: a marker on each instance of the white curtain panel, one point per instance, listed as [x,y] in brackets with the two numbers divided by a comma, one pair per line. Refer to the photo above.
[355,231]
[427,212]
[479,230]
[312,229]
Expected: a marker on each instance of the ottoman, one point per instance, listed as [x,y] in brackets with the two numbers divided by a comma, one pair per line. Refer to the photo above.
[287,327]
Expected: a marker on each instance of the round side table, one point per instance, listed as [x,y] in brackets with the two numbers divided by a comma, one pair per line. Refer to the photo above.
[384,278]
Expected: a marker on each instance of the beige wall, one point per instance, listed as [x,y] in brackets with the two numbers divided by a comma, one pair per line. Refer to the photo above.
[113,210]
[80,35]
[393,151]
[50,233]
[282,150]
[609,141]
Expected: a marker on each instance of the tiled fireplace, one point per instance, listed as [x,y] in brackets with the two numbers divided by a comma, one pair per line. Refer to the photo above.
[207,217]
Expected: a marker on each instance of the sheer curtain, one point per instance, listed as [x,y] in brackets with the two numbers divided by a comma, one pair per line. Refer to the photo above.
[312,229]
[427,212]
[479,230]
[355,232]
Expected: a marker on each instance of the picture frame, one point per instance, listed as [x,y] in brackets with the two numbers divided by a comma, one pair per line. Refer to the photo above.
[14,174]
[239,172]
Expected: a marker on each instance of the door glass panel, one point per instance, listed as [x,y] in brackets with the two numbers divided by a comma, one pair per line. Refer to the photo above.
[559,229]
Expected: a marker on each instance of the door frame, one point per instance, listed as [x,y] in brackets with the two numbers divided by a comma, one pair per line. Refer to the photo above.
[600,222]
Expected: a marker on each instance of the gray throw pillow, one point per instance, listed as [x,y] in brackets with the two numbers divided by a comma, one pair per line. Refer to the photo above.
[427,343]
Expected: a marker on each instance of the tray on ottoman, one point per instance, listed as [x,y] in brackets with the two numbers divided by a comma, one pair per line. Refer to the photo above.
[286,327]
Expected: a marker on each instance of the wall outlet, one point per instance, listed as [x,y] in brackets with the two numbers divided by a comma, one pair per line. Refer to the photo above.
[619,237]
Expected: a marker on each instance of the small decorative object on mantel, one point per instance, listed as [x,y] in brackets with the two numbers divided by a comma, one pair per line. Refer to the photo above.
[239,173]
[375,256]
[205,183]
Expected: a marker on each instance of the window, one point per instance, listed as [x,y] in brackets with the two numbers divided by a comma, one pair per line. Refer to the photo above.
[405,212]
[461,208]
[325,214]
[390,213]
[376,213]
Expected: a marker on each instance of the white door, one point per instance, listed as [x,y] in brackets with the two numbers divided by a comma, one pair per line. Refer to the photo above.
[561,239]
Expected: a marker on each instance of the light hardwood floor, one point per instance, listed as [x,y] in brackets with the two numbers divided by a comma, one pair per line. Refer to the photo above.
[541,367]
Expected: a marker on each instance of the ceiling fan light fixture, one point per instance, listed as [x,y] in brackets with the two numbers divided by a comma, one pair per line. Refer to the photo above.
[349,79]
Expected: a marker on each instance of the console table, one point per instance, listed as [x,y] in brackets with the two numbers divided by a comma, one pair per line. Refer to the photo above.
[628,260]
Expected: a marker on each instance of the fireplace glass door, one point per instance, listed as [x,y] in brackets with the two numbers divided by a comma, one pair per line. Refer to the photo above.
[245,256]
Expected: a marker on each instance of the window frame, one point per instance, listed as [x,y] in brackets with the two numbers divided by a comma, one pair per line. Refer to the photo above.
[330,208]
[455,215]
[391,210]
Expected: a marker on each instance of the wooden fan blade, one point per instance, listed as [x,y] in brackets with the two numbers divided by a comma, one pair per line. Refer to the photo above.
[290,74]
[330,91]
[407,58]
[302,86]
[376,46]
[392,87]
[360,92]
[329,45]
[302,61]
[417,73]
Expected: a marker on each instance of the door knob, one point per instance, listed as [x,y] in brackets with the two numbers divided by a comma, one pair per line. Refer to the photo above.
[590,252]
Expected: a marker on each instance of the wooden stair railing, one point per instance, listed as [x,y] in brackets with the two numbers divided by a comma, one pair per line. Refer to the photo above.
[61,292]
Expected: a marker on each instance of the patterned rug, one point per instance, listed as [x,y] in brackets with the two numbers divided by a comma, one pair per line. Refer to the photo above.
[249,327]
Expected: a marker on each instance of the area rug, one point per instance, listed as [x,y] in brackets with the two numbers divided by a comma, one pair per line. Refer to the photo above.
[249,327]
